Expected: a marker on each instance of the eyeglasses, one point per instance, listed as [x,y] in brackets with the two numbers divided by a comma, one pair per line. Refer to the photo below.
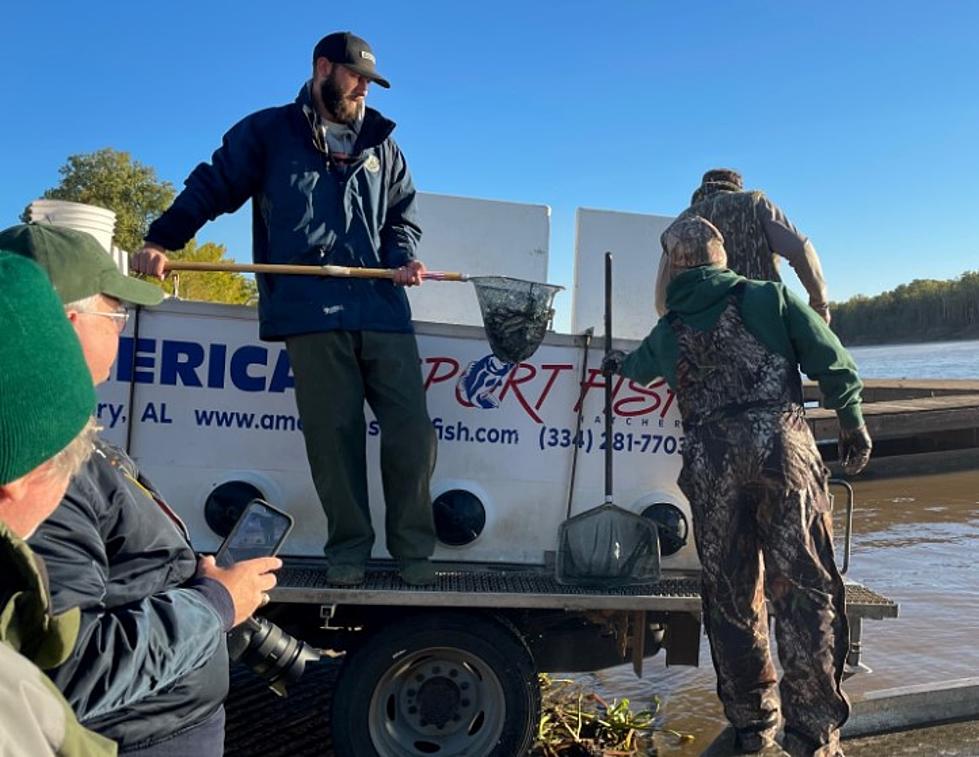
[121,316]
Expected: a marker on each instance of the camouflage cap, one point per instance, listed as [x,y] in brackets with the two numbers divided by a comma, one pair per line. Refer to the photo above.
[723,178]
[692,241]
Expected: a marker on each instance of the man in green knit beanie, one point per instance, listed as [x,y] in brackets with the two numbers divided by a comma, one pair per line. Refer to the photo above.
[150,667]
[46,401]
[731,349]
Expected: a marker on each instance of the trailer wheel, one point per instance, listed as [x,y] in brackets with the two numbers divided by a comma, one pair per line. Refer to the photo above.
[440,683]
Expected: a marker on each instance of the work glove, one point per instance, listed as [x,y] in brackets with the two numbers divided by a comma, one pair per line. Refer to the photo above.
[612,362]
[854,448]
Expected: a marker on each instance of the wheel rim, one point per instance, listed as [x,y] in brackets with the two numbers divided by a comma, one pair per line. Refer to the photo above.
[441,701]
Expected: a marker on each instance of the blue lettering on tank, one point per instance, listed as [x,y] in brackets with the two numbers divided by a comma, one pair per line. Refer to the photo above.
[193,364]
[241,360]
[282,377]
[181,359]
[215,366]
[127,369]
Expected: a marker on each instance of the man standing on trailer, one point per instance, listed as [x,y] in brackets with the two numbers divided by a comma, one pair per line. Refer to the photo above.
[329,185]
[731,349]
[756,232]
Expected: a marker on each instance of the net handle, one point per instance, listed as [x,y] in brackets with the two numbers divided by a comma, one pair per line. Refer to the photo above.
[608,379]
[341,271]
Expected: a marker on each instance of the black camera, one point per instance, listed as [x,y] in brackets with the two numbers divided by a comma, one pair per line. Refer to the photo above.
[275,655]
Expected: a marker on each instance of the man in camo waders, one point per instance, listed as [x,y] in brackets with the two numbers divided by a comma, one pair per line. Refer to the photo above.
[731,349]
[756,233]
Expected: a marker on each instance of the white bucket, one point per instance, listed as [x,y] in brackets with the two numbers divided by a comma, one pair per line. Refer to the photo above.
[98,222]
[122,259]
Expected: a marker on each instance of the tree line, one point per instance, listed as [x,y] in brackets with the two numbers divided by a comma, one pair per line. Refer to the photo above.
[924,310]
[113,180]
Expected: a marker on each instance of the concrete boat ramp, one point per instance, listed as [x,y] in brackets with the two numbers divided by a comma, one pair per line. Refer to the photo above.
[929,720]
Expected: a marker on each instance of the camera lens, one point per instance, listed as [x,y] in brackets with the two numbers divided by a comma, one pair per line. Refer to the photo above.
[272,653]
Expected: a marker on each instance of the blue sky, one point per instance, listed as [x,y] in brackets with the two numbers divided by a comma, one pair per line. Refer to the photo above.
[859,119]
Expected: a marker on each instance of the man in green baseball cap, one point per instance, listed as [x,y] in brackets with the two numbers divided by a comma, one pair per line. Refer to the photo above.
[46,401]
[148,603]
[78,265]
[95,292]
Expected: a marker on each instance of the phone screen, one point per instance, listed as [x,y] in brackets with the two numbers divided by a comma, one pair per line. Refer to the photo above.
[259,532]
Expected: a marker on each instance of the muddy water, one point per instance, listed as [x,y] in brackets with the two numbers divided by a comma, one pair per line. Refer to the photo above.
[916,540]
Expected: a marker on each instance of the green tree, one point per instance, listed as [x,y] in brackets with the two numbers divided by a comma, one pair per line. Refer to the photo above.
[112,179]
[923,310]
[212,286]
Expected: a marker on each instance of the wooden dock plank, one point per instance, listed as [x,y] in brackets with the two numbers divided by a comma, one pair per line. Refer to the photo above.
[897,419]
[882,390]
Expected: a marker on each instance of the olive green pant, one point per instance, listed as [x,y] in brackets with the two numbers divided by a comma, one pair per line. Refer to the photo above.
[335,373]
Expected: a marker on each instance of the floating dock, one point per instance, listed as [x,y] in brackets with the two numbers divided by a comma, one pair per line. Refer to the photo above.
[906,417]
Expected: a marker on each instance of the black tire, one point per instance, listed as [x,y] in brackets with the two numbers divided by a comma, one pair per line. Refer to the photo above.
[438,683]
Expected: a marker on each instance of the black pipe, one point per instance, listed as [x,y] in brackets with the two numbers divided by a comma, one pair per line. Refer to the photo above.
[576,440]
[608,378]
[132,382]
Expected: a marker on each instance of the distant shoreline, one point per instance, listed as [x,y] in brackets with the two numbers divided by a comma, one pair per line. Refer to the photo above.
[972,335]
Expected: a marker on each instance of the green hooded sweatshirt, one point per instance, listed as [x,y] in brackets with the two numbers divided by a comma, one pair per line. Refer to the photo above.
[777,318]
[35,719]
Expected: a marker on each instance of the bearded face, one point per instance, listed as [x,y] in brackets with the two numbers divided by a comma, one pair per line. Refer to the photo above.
[345,104]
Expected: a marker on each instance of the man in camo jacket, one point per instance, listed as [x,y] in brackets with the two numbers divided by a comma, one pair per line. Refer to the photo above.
[756,233]
[731,349]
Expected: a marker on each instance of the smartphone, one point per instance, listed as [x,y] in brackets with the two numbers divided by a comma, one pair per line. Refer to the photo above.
[259,532]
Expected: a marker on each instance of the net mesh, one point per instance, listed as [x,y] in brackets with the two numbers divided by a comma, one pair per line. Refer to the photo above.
[516,314]
[608,546]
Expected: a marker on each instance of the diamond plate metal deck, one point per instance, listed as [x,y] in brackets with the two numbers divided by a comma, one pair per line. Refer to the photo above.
[304,581]
[862,602]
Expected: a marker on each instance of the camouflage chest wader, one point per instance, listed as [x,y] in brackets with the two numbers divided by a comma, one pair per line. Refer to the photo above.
[735,214]
[757,489]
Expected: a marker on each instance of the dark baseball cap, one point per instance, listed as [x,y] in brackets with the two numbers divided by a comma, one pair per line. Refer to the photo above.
[76,263]
[351,51]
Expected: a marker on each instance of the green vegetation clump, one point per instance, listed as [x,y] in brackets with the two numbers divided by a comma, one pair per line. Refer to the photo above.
[576,723]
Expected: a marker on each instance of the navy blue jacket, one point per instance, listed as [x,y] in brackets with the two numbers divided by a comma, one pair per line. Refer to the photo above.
[305,210]
[151,658]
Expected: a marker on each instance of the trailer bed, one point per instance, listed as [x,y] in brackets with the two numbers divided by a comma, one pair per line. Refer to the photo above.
[303,581]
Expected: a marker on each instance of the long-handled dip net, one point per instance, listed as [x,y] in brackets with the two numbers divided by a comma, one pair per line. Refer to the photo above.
[607,545]
[516,313]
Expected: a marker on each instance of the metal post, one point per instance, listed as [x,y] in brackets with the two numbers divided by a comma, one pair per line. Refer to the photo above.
[608,379]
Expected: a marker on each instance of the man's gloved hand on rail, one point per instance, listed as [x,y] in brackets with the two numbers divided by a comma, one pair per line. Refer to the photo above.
[854,448]
[612,362]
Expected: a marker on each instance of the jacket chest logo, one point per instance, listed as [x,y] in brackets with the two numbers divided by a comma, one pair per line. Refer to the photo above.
[372,164]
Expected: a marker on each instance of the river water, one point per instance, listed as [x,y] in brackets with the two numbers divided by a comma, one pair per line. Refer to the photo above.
[916,540]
